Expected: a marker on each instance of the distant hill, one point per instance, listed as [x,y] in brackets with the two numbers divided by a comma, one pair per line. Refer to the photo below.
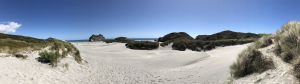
[227,35]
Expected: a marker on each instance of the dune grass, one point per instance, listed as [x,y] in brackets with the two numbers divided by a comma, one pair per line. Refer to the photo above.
[49,57]
[252,60]
[288,45]
[16,44]
[288,42]
[64,49]
[263,42]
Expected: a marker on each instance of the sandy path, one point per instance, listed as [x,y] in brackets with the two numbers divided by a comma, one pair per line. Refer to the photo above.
[115,64]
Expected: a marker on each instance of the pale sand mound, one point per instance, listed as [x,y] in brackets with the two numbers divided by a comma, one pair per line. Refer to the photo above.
[282,74]
[115,64]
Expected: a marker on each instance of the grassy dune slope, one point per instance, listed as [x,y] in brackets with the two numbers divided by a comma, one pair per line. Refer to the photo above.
[14,44]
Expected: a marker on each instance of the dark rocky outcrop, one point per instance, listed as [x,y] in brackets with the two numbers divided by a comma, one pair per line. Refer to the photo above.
[94,38]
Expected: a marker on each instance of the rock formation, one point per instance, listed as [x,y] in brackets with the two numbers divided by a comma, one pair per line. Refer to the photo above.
[94,38]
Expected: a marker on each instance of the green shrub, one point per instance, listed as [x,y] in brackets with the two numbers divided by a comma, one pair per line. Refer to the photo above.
[197,45]
[142,45]
[250,61]
[49,57]
[122,39]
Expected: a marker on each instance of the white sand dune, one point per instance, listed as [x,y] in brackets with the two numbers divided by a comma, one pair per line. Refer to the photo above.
[115,64]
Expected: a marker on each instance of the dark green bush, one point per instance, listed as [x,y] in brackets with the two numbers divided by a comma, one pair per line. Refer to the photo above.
[118,39]
[182,41]
[122,39]
[250,61]
[180,45]
[175,35]
[197,45]
[227,35]
[51,58]
[142,45]
[163,44]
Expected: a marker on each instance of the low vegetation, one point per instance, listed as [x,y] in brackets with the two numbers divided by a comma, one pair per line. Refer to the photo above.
[175,36]
[142,45]
[181,44]
[287,48]
[64,48]
[227,35]
[51,58]
[296,70]
[287,40]
[264,42]
[252,60]
[287,45]
[182,41]
[118,39]
[15,44]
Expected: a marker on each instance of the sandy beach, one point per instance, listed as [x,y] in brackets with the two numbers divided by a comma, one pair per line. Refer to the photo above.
[115,64]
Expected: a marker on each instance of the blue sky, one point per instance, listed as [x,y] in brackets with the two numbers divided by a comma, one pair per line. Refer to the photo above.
[78,19]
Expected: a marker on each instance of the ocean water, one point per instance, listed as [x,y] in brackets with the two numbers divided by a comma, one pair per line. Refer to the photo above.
[135,39]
